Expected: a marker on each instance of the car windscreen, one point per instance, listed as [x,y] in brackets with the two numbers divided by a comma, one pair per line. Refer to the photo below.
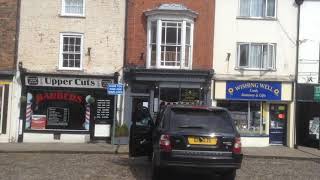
[216,121]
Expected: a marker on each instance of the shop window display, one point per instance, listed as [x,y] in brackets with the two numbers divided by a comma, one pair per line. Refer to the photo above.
[57,110]
[248,116]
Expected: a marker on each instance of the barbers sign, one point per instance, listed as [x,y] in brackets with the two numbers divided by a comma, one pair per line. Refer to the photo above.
[72,82]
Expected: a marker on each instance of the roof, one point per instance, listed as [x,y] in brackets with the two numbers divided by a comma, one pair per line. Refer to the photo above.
[172,9]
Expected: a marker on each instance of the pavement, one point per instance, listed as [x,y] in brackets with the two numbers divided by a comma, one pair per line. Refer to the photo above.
[278,152]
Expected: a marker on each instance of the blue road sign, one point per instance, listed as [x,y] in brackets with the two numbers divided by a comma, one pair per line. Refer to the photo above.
[115,89]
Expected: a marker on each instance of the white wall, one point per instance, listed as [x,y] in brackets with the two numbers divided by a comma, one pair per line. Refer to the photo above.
[309,42]
[229,30]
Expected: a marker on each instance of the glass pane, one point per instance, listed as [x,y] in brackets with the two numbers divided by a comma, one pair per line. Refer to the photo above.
[65,63]
[257,8]
[72,40]
[71,63]
[245,7]
[65,56]
[153,31]
[271,9]
[169,94]
[171,36]
[71,48]
[265,59]
[171,53]
[74,6]
[188,34]
[163,36]
[65,48]
[77,56]
[244,55]
[153,55]
[187,55]
[163,53]
[78,41]
[255,56]
[271,57]
[255,118]
[71,56]
[190,95]
[65,40]
[77,48]
[77,63]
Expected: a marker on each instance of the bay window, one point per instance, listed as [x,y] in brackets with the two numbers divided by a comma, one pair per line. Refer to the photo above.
[259,56]
[170,44]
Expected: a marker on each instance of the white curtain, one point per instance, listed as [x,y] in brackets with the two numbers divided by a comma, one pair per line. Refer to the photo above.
[257,8]
[255,56]
[74,6]
[245,7]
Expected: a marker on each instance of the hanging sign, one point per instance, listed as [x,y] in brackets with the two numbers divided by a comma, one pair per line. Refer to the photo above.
[244,90]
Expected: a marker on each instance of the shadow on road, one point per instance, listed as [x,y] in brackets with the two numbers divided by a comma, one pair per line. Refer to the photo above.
[141,170]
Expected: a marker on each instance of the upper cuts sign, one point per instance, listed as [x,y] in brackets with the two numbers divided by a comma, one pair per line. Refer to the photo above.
[73,82]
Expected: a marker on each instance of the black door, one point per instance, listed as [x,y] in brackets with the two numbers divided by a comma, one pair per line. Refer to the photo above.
[278,123]
[141,132]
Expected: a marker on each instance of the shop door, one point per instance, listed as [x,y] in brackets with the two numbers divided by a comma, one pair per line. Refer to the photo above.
[278,122]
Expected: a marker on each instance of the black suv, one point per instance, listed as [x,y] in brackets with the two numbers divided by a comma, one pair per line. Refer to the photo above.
[195,137]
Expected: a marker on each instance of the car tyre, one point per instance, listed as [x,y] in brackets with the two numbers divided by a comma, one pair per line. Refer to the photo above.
[229,175]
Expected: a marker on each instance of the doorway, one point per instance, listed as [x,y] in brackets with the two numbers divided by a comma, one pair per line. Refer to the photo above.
[278,124]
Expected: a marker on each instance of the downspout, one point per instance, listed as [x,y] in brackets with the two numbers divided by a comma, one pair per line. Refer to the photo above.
[299,3]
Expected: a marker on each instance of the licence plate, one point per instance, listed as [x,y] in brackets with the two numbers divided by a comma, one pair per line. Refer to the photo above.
[202,140]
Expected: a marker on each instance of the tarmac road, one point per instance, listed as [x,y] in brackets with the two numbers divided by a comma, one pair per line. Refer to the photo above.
[46,166]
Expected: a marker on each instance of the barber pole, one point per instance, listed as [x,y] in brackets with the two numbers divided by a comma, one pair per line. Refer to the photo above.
[28,115]
[87,117]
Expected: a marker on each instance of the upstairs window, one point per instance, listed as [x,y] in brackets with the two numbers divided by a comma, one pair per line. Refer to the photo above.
[258,8]
[73,7]
[71,51]
[256,56]
[170,37]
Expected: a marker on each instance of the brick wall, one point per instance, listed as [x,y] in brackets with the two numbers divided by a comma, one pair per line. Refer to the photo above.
[8,15]
[203,31]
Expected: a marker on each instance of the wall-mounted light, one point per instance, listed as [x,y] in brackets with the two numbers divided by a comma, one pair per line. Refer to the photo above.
[89,51]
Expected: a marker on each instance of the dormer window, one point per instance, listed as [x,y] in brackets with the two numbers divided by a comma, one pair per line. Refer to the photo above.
[170,37]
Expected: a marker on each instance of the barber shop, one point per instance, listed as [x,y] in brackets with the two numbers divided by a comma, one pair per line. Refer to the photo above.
[65,108]
[260,109]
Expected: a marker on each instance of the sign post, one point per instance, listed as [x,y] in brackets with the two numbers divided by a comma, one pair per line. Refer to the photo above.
[115,90]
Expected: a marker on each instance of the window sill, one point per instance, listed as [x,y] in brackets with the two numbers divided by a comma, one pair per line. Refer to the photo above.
[69,69]
[164,67]
[72,16]
[254,135]
[257,18]
[254,69]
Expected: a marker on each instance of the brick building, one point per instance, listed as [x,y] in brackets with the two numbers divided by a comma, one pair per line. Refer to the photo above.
[8,41]
[69,51]
[168,53]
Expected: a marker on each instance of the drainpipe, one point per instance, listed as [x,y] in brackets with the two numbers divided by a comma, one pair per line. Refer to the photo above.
[298,3]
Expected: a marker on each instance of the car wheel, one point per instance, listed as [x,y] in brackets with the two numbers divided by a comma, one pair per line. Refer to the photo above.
[229,175]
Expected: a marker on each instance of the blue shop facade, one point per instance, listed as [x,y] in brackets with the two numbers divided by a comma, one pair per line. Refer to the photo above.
[261,110]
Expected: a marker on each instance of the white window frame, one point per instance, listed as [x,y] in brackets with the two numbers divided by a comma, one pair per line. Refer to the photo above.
[273,68]
[63,10]
[62,35]
[159,20]
[259,17]
[2,106]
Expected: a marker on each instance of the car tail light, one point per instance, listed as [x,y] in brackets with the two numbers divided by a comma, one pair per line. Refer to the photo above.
[165,144]
[237,146]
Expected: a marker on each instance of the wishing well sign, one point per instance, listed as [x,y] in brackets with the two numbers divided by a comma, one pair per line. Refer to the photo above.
[244,90]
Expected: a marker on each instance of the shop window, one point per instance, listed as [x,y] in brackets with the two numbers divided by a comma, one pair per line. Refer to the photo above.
[47,110]
[247,115]
[258,8]
[71,45]
[256,56]
[73,7]
[180,95]
[1,105]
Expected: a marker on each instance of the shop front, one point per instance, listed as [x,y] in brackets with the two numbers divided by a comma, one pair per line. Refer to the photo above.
[153,88]
[66,108]
[308,115]
[260,110]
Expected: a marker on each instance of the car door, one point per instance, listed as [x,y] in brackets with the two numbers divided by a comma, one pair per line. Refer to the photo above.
[141,133]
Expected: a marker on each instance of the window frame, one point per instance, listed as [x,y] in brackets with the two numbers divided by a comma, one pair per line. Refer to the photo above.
[264,17]
[63,10]
[62,35]
[274,59]
[159,20]
[1,105]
